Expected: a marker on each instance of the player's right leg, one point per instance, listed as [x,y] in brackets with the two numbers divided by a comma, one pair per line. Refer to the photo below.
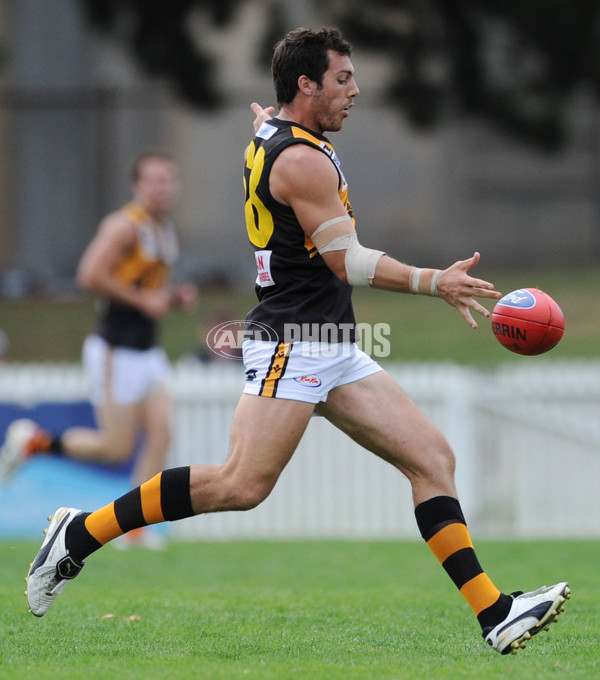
[381,417]
[264,435]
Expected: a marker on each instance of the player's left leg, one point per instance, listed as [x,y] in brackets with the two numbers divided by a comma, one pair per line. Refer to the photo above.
[264,436]
[380,416]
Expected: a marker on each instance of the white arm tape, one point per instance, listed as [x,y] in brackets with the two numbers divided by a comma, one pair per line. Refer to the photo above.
[361,263]
[330,223]
[339,243]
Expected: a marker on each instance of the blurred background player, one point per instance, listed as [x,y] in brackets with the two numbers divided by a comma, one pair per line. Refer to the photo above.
[127,264]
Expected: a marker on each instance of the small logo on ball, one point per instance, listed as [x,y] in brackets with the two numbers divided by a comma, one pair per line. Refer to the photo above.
[521,298]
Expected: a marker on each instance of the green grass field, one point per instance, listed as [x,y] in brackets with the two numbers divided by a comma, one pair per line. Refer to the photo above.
[422,329]
[283,611]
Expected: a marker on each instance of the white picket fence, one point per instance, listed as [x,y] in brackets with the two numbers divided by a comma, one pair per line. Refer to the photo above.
[526,436]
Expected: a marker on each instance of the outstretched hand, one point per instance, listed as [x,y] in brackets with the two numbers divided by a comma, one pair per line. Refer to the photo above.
[261,114]
[459,289]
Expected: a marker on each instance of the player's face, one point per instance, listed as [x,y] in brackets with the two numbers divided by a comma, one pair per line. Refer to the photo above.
[157,187]
[332,102]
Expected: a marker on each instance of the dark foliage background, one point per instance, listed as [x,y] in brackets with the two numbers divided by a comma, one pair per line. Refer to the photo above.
[516,65]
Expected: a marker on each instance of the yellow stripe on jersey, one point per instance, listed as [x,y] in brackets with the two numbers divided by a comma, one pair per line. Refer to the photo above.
[299,133]
[310,247]
[276,369]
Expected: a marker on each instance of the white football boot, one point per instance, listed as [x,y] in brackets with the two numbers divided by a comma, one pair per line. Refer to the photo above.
[52,567]
[529,614]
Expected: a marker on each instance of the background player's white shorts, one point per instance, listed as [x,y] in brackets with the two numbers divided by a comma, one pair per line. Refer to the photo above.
[305,371]
[130,374]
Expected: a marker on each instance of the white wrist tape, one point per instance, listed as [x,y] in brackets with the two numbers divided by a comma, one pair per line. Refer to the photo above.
[424,281]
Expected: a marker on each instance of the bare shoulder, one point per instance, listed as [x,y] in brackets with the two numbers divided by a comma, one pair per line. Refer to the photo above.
[302,168]
[116,227]
[303,156]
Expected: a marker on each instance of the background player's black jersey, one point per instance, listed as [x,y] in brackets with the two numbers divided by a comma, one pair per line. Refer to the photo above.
[293,285]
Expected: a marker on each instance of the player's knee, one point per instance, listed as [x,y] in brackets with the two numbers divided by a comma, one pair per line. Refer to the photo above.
[440,461]
[248,494]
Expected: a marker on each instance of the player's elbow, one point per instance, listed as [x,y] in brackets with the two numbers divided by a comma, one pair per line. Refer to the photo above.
[342,275]
[336,261]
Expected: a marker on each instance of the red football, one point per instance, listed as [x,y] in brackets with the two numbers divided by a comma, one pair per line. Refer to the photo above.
[528,321]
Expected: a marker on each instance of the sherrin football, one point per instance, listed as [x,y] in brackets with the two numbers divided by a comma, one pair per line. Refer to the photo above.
[528,321]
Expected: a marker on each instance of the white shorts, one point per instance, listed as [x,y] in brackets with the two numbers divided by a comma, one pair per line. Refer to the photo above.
[305,371]
[125,375]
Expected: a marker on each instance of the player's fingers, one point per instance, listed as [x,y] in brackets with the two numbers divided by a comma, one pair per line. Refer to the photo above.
[486,291]
[259,110]
[470,262]
[466,313]
[479,308]
[475,259]
[480,283]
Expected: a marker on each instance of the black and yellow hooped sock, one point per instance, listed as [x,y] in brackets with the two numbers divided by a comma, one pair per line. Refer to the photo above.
[165,497]
[443,527]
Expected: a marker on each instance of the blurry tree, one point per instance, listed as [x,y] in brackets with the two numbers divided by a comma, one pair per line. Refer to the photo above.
[516,64]
[159,34]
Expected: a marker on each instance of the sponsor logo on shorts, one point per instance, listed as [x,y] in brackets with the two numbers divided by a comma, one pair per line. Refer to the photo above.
[309,380]
[522,299]
[251,374]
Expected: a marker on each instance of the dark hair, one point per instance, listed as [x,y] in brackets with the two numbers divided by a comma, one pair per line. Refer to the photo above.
[136,166]
[304,52]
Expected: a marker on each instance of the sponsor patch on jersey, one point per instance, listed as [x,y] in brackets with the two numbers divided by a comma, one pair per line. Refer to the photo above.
[266,131]
[263,267]
[309,380]
[522,299]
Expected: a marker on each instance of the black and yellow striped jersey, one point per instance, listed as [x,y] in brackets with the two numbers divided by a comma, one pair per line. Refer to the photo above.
[293,285]
[146,266]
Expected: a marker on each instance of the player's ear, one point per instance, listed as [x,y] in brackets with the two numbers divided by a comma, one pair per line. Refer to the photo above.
[306,85]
